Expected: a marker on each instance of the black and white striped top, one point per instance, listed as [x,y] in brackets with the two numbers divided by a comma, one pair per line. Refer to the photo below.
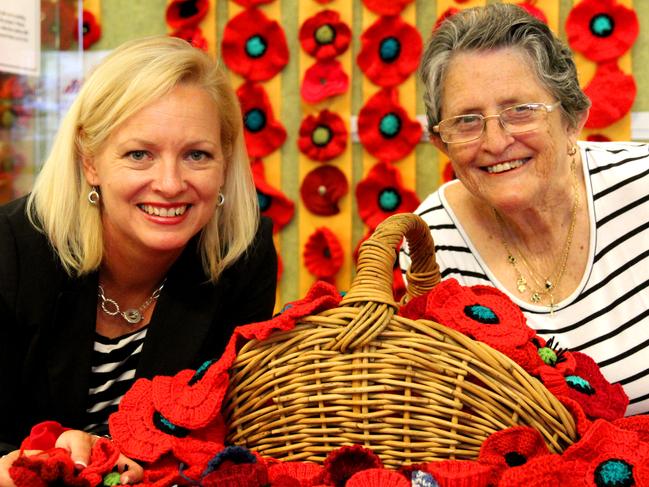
[114,361]
[607,317]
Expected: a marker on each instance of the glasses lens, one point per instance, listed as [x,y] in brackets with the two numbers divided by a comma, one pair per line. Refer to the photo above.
[461,129]
[523,118]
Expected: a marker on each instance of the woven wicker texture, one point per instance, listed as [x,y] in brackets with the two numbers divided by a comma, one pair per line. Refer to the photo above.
[411,391]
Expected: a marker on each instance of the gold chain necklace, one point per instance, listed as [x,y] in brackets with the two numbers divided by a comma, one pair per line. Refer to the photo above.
[543,286]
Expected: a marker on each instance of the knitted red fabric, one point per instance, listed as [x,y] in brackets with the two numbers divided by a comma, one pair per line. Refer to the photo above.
[345,461]
[304,473]
[324,79]
[612,93]
[43,436]
[323,254]
[639,424]
[377,477]
[458,473]
[545,471]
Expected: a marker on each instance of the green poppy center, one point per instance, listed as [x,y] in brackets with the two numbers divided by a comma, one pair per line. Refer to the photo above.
[602,25]
[614,473]
[256,46]
[389,199]
[389,49]
[321,136]
[481,314]
[548,355]
[325,34]
[264,201]
[254,120]
[580,384]
[112,478]
[390,125]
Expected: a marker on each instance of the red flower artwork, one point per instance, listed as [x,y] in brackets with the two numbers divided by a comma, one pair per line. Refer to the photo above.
[323,136]
[445,15]
[324,79]
[323,255]
[611,92]
[251,3]
[381,194]
[384,128]
[254,46]
[324,35]
[322,189]
[181,14]
[448,174]
[193,35]
[386,7]
[391,51]
[602,30]
[91,29]
[263,133]
[272,202]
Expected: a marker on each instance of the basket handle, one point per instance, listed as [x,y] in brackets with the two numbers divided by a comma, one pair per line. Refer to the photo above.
[371,289]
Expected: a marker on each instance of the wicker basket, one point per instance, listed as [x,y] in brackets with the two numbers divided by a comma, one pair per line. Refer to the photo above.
[411,391]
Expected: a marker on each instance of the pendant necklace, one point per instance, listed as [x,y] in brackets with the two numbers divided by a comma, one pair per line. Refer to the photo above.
[132,315]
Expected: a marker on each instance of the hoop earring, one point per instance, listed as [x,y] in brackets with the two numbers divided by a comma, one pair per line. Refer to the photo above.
[572,151]
[221,199]
[93,196]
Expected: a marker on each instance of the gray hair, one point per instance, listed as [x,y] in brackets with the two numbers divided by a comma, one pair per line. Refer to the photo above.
[502,26]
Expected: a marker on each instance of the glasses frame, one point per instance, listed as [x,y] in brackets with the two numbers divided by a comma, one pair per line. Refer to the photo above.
[549,108]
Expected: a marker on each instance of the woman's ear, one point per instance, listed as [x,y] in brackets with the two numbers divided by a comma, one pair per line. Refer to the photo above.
[89,170]
[573,134]
[439,143]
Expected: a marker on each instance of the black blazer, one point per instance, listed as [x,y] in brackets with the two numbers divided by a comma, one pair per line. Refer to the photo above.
[47,322]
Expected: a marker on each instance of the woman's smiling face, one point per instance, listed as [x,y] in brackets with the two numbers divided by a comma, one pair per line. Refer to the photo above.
[160,173]
[504,171]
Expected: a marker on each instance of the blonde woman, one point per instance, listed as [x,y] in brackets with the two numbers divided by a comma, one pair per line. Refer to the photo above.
[140,247]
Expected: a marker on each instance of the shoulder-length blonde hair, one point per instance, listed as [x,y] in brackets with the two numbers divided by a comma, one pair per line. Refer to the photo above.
[134,75]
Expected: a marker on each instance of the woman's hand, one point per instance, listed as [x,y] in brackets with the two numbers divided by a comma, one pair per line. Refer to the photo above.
[5,464]
[80,443]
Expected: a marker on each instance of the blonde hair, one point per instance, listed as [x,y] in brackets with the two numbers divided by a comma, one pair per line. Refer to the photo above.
[134,75]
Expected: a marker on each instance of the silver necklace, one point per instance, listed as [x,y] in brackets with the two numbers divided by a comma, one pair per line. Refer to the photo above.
[133,315]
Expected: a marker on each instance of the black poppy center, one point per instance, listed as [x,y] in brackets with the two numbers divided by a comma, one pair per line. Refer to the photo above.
[256,46]
[389,199]
[166,426]
[389,49]
[187,9]
[326,253]
[264,201]
[254,120]
[602,25]
[515,459]
[614,473]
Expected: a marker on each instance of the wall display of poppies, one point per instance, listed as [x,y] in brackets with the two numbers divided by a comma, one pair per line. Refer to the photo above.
[60,25]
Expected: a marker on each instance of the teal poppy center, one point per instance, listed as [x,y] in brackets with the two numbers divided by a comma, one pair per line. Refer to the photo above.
[602,25]
[580,384]
[256,46]
[614,473]
[481,314]
[200,372]
[254,120]
[390,126]
[389,49]
[325,34]
[264,201]
[389,199]
[166,426]
[321,135]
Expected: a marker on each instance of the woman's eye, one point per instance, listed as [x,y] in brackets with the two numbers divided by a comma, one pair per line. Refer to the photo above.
[197,155]
[137,155]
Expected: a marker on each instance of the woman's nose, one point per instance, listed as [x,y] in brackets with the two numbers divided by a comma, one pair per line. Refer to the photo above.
[169,178]
[495,138]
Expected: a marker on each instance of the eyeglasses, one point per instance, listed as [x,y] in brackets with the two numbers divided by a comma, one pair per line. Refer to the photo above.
[514,120]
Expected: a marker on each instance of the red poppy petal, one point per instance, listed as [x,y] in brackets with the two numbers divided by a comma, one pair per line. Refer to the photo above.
[251,3]
[193,35]
[323,255]
[186,13]
[272,202]
[386,7]
[324,35]
[323,136]
[324,79]
[91,29]
[445,15]
[545,471]
[263,133]
[378,477]
[322,189]
[612,93]
[533,10]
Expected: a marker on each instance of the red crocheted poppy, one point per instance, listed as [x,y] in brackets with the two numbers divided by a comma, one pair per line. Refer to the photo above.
[384,128]
[58,25]
[272,202]
[251,3]
[386,7]
[323,136]
[324,79]
[445,15]
[193,35]
[323,255]
[378,477]
[345,461]
[464,473]
[545,471]
[511,448]
[639,424]
[306,473]
[381,194]
[448,174]
[602,30]
[391,49]
[91,29]
[532,9]
[181,14]
[322,189]
[598,138]
[611,92]
[254,46]
[586,385]
[263,133]
[324,35]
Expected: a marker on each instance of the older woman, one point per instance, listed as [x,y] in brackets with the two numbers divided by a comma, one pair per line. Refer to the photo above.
[560,226]
[140,247]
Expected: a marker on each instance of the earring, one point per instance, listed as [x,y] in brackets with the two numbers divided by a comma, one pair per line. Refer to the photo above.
[221,199]
[93,196]
[572,151]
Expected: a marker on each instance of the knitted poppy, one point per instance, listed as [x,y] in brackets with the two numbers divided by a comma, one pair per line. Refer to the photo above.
[323,255]
[553,356]
[305,473]
[237,467]
[324,79]
[448,174]
[391,49]
[322,189]
[543,472]
[586,385]
[639,424]
[381,194]
[384,128]
[324,35]
[251,3]
[460,473]
[323,136]
[91,29]
[193,35]
[445,15]
[58,24]
[611,92]
[386,7]
[263,133]
[345,461]
[272,202]
[377,477]
[186,13]
[532,9]
[602,30]
[598,138]
[254,46]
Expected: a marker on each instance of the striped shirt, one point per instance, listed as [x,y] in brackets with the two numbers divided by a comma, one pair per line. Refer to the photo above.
[607,316]
[113,365]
